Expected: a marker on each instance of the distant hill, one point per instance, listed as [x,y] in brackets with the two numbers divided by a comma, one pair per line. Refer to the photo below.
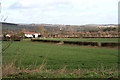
[51,28]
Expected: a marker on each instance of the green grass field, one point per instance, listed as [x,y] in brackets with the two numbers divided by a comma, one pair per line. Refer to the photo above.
[86,39]
[59,56]
[28,53]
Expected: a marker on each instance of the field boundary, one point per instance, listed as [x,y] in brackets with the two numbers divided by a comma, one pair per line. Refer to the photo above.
[81,43]
[82,37]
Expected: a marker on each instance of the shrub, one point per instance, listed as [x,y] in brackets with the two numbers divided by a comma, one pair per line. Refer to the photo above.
[82,43]
[39,40]
[104,44]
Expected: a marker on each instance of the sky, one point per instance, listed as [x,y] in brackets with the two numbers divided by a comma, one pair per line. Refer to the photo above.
[65,12]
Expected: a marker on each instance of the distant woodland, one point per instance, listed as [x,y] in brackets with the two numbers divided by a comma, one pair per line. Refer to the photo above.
[48,30]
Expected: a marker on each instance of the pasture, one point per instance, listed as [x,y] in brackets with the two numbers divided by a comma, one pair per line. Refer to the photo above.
[27,53]
[85,39]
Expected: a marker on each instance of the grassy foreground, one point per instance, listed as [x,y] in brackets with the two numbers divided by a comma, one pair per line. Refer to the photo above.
[64,60]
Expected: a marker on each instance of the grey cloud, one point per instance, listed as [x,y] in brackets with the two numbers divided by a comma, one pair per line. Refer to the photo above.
[59,5]
[64,12]
[17,5]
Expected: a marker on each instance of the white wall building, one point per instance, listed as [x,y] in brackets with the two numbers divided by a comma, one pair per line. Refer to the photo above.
[32,35]
[29,35]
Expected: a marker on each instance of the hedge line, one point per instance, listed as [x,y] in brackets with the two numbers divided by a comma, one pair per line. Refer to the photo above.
[83,37]
[38,40]
[6,39]
[13,39]
[110,44]
[67,42]
[103,44]
[82,43]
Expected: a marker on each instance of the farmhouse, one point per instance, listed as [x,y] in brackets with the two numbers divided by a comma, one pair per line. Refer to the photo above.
[32,35]
[9,35]
[1,36]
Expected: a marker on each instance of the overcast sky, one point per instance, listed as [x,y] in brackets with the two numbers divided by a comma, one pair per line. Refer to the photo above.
[76,12]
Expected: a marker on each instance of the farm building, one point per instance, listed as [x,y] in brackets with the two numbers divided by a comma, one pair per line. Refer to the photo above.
[9,35]
[1,35]
[32,35]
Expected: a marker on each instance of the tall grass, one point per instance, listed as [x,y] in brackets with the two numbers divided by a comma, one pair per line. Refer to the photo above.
[10,70]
